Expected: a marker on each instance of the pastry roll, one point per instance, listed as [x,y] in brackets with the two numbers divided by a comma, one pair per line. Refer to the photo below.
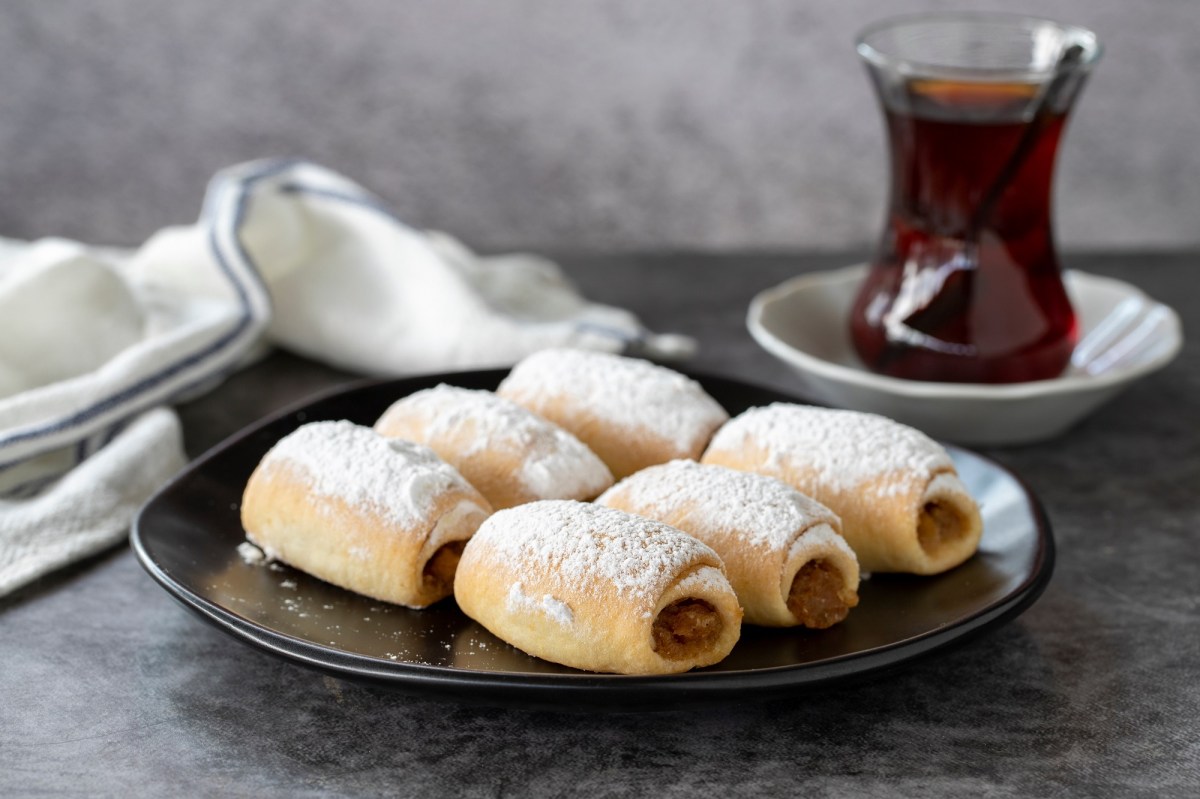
[510,454]
[902,506]
[783,552]
[598,589]
[630,412]
[384,518]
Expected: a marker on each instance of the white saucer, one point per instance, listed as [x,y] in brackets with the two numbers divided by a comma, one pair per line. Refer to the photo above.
[1123,335]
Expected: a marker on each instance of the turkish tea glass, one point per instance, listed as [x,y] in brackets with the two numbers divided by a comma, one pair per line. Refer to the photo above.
[966,284]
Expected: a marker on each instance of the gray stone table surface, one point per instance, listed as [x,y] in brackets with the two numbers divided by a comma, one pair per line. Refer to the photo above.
[110,687]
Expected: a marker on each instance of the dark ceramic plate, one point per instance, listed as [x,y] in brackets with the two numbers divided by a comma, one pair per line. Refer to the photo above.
[187,538]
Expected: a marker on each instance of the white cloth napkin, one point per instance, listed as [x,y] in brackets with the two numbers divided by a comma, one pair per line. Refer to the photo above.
[95,343]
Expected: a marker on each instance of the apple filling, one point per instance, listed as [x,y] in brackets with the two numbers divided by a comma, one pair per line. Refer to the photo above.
[818,597]
[439,569]
[939,525]
[686,628]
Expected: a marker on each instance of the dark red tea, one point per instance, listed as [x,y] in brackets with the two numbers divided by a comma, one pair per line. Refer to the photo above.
[953,294]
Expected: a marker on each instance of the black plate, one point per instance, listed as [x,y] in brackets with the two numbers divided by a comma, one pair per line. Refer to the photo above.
[187,537]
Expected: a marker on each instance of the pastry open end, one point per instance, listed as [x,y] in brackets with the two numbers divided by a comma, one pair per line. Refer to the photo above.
[819,597]
[686,628]
[948,525]
[940,525]
[439,570]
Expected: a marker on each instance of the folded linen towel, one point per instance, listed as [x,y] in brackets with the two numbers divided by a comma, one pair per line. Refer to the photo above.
[285,252]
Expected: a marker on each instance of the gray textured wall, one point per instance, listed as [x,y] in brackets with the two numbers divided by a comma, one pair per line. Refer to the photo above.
[534,123]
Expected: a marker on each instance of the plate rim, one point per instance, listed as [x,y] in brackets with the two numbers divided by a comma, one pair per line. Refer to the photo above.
[523,686]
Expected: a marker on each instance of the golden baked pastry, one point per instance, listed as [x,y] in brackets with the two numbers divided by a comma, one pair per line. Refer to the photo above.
[783,552]
[598,589]
[510,454]
[902,505]
[384,518]
[630,412]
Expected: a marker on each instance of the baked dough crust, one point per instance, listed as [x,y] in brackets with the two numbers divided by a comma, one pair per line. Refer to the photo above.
[385,547]
[630,412]
[598,589]
[510,454]
[765,532]
[887,482]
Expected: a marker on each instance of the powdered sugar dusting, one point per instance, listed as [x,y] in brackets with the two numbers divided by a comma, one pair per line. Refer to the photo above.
[251,554]
[819,542]
[948,485]
[576,544]
[846,449]
[706,580]
[397,479]
[632,394]
[519,602]
[762,511]
[555,463]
